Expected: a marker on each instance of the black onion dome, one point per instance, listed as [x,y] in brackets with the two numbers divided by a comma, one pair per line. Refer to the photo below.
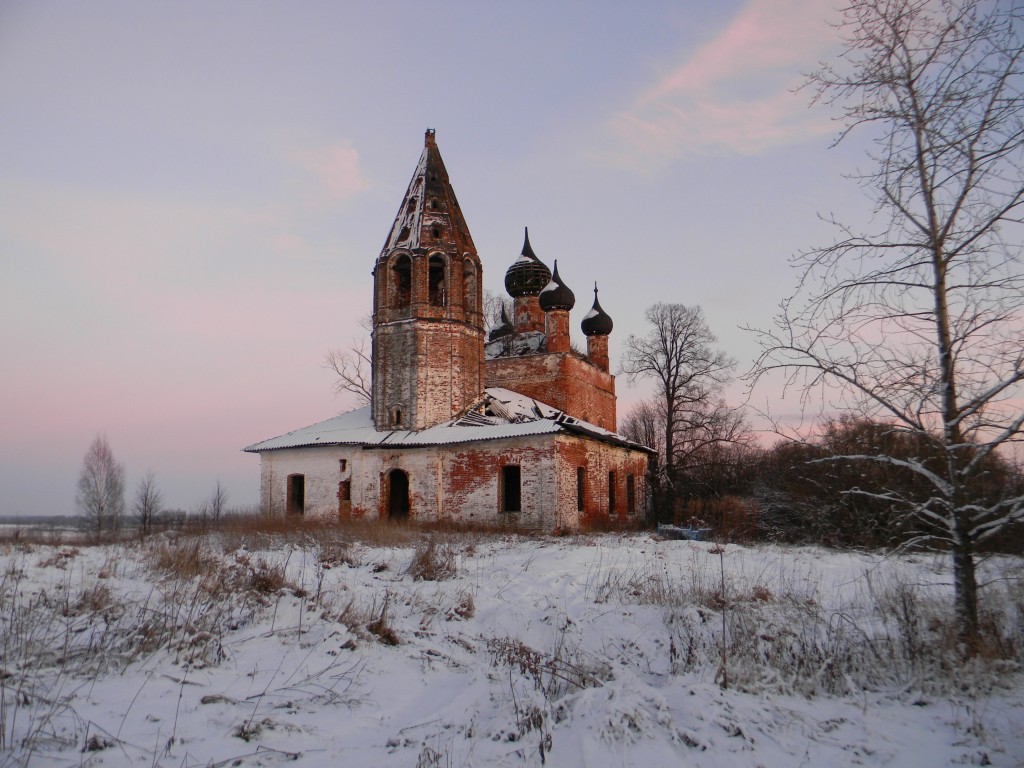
[502,330]
[527,276]
[556,294]
[597,322]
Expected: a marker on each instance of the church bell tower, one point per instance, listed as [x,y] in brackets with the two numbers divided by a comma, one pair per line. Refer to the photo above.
[428,328]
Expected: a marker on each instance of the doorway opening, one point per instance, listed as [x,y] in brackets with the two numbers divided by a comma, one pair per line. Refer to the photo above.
[296,495]
[398,495]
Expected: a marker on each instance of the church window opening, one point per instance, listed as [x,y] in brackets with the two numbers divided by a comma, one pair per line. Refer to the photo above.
[436,232]
[398,494]
[437,282]
[396,416]
[412,205]
[581,475]
[511,489]
[402,278]
[469,286]
[611,493]
[296,494]
[630,494]
[433,205]
[342,464]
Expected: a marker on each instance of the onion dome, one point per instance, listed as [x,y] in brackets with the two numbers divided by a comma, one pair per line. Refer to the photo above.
[527,276]
[556,294]
[502,330]
[597,322]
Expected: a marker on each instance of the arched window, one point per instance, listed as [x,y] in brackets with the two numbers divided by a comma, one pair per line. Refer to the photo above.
[469,285]
[438,293]
[401,276]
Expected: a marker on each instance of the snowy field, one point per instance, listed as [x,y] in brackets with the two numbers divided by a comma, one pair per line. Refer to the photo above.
[482,650]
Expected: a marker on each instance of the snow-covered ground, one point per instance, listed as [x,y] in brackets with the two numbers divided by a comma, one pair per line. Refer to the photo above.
[590,651]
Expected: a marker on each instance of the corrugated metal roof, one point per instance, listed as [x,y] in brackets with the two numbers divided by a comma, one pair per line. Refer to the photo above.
[508,415]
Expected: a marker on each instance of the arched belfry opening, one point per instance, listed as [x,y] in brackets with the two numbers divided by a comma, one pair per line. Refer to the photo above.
[437,282]
[469,287]
[401,279]
[398,495]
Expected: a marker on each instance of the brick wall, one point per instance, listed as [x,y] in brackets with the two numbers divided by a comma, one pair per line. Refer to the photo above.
[562,380]
[462,482]
[432,369]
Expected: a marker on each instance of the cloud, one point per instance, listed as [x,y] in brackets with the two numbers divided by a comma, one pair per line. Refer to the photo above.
[337,168]
[734,94]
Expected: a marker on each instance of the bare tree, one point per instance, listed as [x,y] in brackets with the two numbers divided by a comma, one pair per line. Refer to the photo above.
[218,502]
[100,497]
[677,353]
[919,321]
[353,367]
[148,503]
[644,424]
[495,304]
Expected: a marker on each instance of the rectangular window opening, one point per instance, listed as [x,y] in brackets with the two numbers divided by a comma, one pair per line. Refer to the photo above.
[630,494]
[611,493]
[511,489]
[581,475]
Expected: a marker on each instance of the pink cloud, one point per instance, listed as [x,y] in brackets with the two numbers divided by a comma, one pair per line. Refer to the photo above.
[734,94]
[337,168]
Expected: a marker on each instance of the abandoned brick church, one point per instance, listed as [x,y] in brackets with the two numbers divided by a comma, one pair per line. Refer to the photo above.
[513,428]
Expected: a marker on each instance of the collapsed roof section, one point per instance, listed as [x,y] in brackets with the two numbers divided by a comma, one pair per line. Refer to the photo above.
[502,414]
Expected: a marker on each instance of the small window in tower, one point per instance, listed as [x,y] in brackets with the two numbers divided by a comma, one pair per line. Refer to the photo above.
[438,297]
[436,232]
[342,464]
[511,489]
[402,278]
[581,475]
[403,236]
[412,205]
[396,416]
[433,205]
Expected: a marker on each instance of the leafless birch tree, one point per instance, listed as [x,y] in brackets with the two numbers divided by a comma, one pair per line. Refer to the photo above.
[100,497]
[920,320]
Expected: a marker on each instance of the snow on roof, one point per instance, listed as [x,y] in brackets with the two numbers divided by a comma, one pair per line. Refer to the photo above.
[507,414]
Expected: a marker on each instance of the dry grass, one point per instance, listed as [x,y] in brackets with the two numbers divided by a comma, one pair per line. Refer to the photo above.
[784,638]
[433,561]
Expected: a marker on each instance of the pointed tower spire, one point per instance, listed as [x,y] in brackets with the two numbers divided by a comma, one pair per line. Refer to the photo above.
[430,216]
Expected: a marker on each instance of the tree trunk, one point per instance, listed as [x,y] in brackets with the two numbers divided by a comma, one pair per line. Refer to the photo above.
[965,589]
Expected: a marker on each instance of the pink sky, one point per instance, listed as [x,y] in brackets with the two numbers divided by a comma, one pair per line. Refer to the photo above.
[192,197]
